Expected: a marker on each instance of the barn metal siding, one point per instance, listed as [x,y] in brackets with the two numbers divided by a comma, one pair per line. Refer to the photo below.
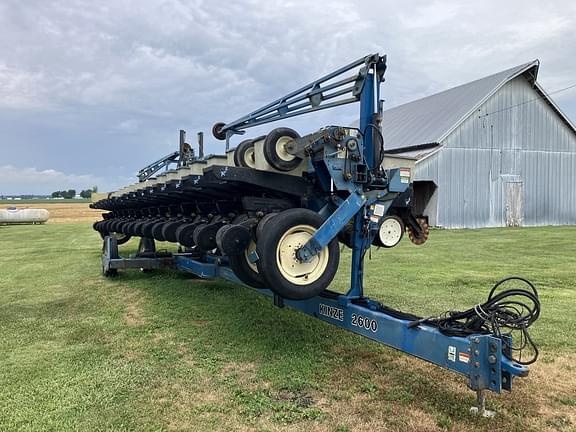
[508,139]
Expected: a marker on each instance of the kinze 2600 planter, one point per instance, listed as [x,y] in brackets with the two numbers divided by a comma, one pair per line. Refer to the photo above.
[271,213]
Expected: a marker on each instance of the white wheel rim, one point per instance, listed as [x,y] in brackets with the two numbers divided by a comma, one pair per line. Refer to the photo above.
[293,270]
[281,149]
[390,232]
[251,248]
[249,158]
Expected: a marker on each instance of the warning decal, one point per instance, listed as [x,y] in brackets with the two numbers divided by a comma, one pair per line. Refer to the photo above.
[452,353]
[405,175]
[464,357]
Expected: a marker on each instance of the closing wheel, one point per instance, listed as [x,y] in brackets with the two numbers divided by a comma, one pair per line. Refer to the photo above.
[277,249]
[185,233]
[157,231]
[169,230]
[390,232]
[121,238]
[245,270]
[244,154]
[275,150]
[217,131]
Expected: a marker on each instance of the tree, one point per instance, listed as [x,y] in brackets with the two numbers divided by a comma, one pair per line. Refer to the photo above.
[86,193]
[56,194]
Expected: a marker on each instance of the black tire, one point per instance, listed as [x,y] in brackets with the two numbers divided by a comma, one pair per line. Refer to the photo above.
[137,227]
[276,270]
[108,230]
[123,227]
[156,231]
[244,154]
[245,271]
[217,131]
[233,239]
[146,228]
[280,161]
[185,233]
[262,224]
[169,230]
[129,228]
[104,226]
[114,225]
[205,235]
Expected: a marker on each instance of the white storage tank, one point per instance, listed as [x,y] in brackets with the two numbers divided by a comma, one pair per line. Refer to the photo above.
[13,215]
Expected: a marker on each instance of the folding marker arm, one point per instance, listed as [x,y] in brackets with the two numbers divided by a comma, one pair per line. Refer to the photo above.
[323,93]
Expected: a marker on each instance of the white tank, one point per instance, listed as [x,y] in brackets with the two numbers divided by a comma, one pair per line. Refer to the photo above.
[13,215]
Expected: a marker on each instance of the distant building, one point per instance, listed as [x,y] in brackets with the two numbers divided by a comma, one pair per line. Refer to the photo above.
[494,152]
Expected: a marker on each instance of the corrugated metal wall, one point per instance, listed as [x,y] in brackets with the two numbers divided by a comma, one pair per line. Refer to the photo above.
[507,141]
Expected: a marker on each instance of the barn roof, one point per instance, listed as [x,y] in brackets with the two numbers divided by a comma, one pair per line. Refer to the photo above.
[430,119]
[418,126]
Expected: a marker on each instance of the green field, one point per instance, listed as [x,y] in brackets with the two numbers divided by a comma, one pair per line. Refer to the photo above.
[164,351]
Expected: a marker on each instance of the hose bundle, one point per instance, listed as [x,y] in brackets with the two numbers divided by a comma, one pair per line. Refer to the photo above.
[506,312]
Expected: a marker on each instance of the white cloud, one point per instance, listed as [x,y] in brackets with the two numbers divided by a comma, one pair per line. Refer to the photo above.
[14,180]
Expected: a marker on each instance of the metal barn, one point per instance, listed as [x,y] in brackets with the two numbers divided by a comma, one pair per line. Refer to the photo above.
[494,152]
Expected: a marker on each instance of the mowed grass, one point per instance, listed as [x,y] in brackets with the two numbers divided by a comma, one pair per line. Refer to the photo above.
[164,351]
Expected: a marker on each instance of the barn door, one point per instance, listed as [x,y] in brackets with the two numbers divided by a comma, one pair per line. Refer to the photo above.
[514,195]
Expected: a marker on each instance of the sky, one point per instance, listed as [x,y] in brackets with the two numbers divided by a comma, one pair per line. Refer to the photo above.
[92,91]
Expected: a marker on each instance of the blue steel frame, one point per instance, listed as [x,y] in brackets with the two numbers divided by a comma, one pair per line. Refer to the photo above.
[480,358]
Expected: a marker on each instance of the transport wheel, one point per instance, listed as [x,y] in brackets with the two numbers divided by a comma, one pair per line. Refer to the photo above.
[217,131]
[245,270]
[275,149]
[390,232]
[284,273]
[244,154]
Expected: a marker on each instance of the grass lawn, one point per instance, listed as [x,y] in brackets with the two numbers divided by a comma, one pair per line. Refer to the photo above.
[164,351]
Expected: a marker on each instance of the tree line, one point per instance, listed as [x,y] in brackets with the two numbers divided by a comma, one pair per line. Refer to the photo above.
[71,193]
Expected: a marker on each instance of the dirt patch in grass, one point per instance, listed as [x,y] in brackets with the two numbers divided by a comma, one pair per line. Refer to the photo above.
[391,392]
[133,314]
[62,212]
[549,393]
